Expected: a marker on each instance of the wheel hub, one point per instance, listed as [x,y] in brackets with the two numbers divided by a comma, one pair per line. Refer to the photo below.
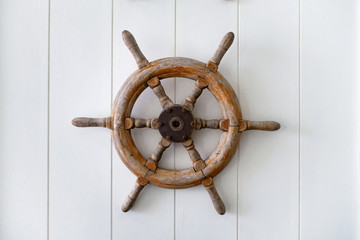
[176,123]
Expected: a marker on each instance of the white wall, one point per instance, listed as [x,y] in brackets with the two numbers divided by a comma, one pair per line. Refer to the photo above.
[293,61]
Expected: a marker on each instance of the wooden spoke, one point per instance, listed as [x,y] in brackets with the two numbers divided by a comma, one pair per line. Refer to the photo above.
[93,122]
[220,52]
[131,123]
[219,205]
[195,157]
[196,91]
[258,125]
[130,42]
[153,161]
[213,123]
[131,198]
[159,91]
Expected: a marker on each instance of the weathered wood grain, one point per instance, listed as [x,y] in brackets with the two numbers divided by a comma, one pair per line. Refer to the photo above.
[131,123]
[152,162]
[131,198]
[222,124]
[214,195]
[131,43]
[159,91]
[194,155]
[93,122]
[259,125]
[196,91]
[220,52]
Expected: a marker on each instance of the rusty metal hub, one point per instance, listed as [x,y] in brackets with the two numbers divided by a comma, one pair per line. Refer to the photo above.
[176,123]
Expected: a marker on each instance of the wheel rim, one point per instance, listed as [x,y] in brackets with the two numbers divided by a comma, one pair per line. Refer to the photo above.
[185,68]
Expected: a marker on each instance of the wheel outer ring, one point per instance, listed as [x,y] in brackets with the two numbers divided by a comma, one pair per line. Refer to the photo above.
[167,68]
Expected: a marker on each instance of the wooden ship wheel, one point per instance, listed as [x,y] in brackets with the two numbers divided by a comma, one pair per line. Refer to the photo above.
[176,122]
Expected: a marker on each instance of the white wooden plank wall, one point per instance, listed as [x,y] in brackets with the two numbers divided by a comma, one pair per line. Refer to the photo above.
[23,114]
[293,61]
[80,85]
[269,90]
[329,120]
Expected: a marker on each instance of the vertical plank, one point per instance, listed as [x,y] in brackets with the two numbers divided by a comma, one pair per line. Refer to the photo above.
[23,122]
[329,120]
[200,26]
[80,85]
[269,90]
[152,24]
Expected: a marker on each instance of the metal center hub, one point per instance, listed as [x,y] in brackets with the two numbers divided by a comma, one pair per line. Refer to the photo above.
[176,123]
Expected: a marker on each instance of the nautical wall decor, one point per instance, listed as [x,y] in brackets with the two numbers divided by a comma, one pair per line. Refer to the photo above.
[176,122]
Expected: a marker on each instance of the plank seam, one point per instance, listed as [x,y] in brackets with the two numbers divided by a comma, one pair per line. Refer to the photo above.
[175,29]
[111,104]
[238,94]
[48,130]
[300,92]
